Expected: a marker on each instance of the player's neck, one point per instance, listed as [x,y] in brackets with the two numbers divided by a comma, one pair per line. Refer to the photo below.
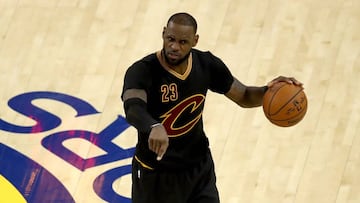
[180,68]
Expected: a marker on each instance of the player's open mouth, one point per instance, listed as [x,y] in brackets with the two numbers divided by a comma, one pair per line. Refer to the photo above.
[173,56]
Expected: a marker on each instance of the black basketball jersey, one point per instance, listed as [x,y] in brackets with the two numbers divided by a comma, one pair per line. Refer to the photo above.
[177,101]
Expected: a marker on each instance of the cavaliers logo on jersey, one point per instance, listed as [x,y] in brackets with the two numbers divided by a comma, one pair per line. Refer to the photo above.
[192,107]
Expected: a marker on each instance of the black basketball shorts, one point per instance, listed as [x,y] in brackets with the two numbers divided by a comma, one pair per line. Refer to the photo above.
[195,185]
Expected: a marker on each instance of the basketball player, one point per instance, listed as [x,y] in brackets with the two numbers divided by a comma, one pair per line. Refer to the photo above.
[164,95]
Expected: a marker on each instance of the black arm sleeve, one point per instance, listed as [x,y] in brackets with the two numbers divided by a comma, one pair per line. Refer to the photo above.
[137,115]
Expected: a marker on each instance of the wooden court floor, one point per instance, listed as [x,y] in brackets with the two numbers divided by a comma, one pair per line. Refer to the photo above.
[62,62]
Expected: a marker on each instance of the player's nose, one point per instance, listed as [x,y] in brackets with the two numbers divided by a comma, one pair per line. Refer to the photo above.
[175,46]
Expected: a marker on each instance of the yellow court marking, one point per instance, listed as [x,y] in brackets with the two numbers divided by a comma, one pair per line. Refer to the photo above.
[8,193]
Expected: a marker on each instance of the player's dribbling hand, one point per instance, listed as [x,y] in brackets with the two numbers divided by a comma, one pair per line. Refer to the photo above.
[289,80]
[158,141]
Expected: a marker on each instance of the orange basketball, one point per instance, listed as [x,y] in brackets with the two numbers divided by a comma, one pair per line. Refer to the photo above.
[285,104]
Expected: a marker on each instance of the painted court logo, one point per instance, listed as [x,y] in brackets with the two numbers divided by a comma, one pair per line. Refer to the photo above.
[25,180]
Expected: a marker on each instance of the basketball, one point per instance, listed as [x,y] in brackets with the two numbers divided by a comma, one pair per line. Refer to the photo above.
[285,104]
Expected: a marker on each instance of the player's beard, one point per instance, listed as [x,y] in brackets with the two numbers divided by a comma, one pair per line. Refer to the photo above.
[177,62]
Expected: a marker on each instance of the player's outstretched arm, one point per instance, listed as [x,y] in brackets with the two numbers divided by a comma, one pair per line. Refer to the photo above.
[251,96]
[137,115]
[136,111]
[246,96]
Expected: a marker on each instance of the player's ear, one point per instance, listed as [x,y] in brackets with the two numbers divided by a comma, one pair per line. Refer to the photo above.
[196,39]
[163,32]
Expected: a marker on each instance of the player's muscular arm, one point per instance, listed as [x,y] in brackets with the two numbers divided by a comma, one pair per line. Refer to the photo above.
[246,96]
[250,96]
[137,115]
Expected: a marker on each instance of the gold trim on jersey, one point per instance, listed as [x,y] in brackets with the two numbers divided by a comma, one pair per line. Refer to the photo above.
[170,70]
[143,164]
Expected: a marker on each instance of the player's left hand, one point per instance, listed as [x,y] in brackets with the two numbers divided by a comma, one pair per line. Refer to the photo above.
[290,80]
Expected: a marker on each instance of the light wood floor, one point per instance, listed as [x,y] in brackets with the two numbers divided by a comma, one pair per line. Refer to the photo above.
[83,47]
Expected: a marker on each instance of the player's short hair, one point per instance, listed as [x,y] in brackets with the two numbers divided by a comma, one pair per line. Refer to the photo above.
[183,19]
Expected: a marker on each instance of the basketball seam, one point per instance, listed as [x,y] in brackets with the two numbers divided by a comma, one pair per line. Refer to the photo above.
[283,104]
[271,100]
[304,109]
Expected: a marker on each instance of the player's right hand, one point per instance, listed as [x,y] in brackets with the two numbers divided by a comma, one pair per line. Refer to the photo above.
[158,141]
[289,80]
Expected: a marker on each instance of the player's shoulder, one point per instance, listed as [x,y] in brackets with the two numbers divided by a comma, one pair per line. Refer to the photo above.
[143,64]
[147,60]
[201,54]
[206,58]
